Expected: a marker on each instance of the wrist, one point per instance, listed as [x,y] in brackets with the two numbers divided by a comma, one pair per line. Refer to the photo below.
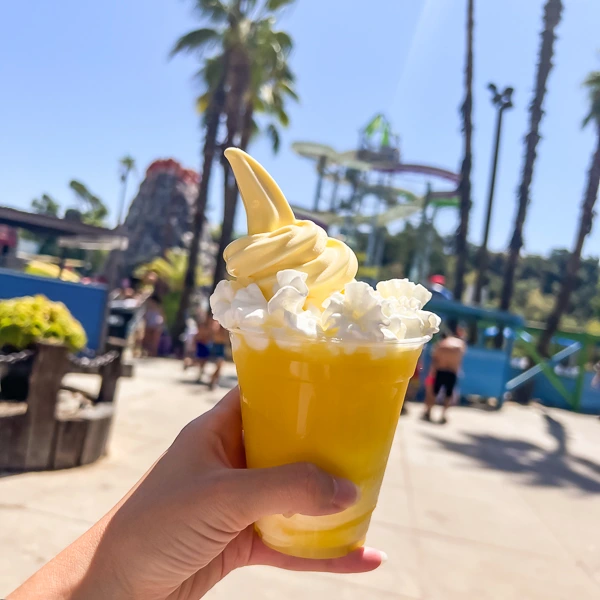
[85,570]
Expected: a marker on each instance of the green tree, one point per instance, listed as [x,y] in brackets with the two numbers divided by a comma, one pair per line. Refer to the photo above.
[200,42]
[270,84]
[585,220]
[46,205]
[552,15]
[465,169]
[93,211]
[225,47]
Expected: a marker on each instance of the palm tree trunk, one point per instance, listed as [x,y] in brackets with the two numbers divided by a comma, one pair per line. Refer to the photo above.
[585,226]
[230,199]
[213,116]
[461,245]
[552,16]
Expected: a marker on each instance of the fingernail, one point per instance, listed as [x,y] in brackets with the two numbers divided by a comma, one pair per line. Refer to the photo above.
[345,493]
[384,557]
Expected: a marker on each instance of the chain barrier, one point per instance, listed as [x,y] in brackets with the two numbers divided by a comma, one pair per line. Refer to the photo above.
[83,362]
[15,357]
[94,363]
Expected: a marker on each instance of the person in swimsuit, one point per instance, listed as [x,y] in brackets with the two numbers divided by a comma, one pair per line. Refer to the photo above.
[203,345]
[446,361]
[154,320]
[220,339]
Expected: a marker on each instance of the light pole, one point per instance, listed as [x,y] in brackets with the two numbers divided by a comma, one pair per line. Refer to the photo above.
[502,101]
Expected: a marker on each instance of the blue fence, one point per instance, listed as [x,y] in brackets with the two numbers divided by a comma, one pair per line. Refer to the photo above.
[86,302]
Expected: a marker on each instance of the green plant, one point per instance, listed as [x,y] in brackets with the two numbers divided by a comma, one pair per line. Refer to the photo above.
[171,270]
[25,321]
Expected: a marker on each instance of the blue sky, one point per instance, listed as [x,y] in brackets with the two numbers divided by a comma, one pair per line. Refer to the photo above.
[87,82]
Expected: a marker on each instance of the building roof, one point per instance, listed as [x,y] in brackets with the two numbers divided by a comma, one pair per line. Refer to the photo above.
[53,225]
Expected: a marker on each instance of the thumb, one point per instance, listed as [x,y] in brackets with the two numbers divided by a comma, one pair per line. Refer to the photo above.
[296,488]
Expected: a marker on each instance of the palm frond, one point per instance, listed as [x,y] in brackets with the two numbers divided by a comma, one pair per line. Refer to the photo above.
[200,40]
[592,83]
[287,89]
[214,10]
[283,117]
[211,72]
[170,269]
[284,40]
[273,135]
[202,102]
[278,4]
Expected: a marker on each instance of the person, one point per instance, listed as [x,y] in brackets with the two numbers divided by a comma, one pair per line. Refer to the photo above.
[437,286]
[189,342]
[446,360]
[187,523]
[217,351]
[203,344]
[154,320]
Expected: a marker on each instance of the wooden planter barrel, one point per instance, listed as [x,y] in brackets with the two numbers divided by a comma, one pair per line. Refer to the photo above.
[36,439]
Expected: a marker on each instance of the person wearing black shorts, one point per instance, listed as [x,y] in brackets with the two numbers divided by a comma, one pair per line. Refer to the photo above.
[445,380]
[446,362]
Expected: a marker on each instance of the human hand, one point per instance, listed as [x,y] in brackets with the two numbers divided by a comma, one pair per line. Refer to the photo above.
[188,522]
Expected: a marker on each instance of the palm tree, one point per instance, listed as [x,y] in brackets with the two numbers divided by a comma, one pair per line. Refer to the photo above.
[127,164]
[270,85]
[461,246]
[46,205]
[94,210]
[585,220]
[552,15]
[226,72]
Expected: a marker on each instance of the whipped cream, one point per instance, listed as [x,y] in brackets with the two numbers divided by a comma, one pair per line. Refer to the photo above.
[392,312]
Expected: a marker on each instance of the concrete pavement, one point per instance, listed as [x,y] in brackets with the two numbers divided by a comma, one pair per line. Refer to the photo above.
[495,505]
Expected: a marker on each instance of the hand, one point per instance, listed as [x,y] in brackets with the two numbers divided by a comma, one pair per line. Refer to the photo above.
[188,522]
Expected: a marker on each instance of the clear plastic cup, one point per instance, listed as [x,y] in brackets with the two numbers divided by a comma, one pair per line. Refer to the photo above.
[335,404]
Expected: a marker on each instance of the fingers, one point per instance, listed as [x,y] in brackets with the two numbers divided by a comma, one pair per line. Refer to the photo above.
[225,418]
[227,411]
[361,560]
[297,488]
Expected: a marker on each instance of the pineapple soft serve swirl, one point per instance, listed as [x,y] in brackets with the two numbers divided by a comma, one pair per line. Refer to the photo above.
[277,241]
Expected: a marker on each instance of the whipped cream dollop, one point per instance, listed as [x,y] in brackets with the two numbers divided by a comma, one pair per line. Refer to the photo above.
[392,312]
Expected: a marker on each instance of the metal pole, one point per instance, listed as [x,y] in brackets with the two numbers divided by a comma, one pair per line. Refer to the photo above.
[427,254]
[320,169]
[336,183]
[416,271]
[502,102]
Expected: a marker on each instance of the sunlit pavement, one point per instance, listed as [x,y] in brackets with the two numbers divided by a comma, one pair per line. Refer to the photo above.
[495,505]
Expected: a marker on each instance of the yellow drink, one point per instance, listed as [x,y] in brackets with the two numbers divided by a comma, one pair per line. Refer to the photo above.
[331,404]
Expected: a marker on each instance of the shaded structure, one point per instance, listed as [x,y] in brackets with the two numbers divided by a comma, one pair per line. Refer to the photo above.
[87,302]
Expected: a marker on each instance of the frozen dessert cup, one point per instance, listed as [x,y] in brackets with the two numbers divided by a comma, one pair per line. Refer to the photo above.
[323,360]
[331,403]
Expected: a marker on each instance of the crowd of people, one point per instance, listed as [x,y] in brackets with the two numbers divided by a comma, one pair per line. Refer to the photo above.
[205,341]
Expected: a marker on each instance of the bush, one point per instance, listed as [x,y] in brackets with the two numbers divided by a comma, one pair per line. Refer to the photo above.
[25,321]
